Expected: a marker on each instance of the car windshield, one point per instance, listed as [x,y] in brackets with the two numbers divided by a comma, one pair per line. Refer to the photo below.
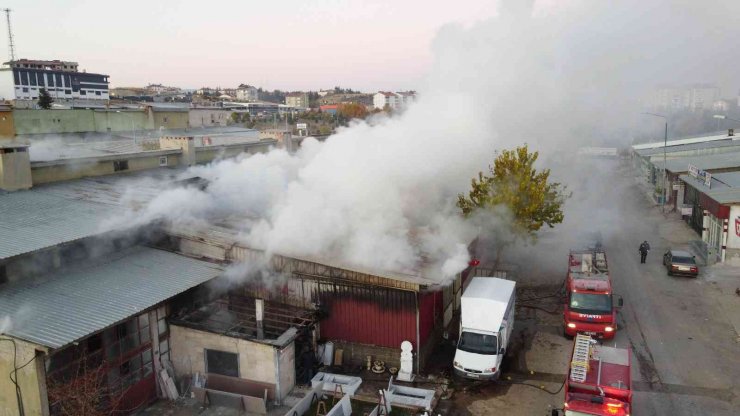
[683,260]
[478,343]
[591,303]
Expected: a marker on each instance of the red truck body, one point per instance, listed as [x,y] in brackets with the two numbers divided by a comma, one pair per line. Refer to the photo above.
[605,388]
[589,308]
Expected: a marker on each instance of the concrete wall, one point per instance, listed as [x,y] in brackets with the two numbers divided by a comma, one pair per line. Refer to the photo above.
[7,127]
[256,361]
[732,255]
[31,379]
[45,172]
[287,369]
[123,121]
[15,168]
[208,117]
[79,121]
[170,119]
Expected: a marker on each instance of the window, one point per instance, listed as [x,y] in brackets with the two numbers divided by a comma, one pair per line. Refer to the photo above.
[119,165]
[223,363]
[83,92]
[24,77]
[590,303]
[3,274]
[68,91]
[17,77]
[478,343]
[33,79]
[58,78]
[97,92]
[25,89]
[163,161]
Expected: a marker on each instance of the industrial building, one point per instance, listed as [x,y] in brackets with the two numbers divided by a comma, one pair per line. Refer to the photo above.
[86,304]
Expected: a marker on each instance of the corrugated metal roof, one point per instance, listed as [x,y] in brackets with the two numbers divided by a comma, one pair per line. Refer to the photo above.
[709,162]
[57,213]
[725,187]
[80,301]
[715,144]
[681,141]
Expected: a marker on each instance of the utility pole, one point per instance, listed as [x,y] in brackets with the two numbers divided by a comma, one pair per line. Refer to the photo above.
[11,44]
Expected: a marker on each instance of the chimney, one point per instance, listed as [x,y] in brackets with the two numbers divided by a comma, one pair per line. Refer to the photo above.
[259,306]
[15,167]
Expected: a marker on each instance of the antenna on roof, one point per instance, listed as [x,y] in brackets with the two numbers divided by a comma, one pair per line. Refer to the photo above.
[11,44]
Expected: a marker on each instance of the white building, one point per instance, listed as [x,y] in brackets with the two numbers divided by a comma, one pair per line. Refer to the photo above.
[394,100]
[695,97]
[385,98]
[21,84]
[247,93]
[298,100]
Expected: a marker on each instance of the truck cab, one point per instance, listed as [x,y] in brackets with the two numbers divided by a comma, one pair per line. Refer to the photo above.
[590,307]
[486,325]
[599,381]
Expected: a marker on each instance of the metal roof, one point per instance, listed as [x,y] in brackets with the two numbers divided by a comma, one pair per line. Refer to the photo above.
[687,140]
[725,187]
[72,304]
[707,162]
[52,214]
[689,147]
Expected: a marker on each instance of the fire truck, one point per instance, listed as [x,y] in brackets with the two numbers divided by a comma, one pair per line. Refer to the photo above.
[598,380]
[590,308]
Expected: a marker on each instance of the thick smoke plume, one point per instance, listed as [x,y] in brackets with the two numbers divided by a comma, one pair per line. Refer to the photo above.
[555,75]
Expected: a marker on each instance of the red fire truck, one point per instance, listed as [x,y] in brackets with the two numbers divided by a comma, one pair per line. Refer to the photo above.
[590,307]
[598,381]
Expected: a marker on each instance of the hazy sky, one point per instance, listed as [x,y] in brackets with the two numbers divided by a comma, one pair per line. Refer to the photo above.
[286,44]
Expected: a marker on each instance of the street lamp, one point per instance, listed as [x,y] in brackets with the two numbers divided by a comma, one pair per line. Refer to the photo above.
[665,145]
[724,117]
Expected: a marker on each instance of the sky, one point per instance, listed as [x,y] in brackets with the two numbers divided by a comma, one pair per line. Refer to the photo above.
[287,44]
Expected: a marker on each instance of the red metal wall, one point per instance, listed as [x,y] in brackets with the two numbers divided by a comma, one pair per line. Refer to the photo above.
[718,210]
[375,316]
[430,312]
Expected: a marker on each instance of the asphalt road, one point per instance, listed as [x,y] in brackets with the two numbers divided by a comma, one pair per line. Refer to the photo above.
[686,360]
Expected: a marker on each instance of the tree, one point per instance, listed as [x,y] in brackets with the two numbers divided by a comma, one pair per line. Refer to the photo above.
[352,110]
[514,183]
[45,99]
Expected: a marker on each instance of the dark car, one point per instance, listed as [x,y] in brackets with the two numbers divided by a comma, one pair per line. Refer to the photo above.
[679,262]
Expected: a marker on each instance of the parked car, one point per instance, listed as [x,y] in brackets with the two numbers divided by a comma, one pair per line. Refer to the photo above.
[679,262]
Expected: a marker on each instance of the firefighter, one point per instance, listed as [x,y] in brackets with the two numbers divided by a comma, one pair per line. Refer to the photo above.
[644,248]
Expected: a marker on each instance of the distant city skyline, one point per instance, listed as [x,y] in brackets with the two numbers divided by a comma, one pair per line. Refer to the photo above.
[290,45]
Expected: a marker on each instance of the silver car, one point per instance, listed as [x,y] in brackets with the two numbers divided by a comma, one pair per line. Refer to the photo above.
[679,262]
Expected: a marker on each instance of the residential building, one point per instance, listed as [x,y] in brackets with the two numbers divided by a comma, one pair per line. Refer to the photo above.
[393,100]
[247,93]
[22,85]
[407,97]
[696,97]
[296,100]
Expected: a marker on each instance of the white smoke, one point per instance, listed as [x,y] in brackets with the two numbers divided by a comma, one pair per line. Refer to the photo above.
[383,195]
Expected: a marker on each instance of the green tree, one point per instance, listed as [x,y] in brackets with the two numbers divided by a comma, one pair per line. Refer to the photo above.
[236,117]
[45,99]
[514,183]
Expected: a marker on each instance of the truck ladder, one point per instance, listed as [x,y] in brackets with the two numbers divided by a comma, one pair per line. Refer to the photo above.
[581,356]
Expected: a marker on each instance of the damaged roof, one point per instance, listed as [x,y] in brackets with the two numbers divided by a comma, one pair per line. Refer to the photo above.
[67,305]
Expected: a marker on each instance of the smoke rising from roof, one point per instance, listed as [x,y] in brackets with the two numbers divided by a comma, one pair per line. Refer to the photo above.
[383,196]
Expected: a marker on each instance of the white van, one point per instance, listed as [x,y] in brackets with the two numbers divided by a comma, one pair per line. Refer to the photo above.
[486,324]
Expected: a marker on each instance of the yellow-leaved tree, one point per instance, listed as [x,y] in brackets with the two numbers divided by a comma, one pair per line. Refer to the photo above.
[514,183]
